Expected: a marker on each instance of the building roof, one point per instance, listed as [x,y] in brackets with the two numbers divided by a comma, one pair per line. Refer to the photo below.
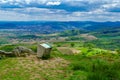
[45,45]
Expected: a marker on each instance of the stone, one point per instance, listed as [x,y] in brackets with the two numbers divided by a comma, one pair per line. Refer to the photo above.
[22,51]
[17,52]
[6,54]
[43,50]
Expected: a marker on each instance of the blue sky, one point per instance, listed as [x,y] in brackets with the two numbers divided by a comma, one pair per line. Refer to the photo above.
[60,10]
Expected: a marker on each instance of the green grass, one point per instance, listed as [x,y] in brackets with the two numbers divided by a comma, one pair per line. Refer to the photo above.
[31,69]
[12,46]
[100,65]
[9,69]
[104,66]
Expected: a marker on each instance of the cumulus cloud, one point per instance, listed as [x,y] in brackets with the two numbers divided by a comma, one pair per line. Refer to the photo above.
[60,10]
[13,16]
[53,3]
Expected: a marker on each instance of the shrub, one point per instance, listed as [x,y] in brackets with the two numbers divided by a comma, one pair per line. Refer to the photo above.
[7,47]
[103,70]
[77,66]
[34,48]
[72,44]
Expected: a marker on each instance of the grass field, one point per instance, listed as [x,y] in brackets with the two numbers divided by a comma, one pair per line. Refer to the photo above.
[31,68]
[98,65]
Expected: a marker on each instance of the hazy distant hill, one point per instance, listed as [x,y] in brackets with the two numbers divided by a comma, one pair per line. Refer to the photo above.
[50,27]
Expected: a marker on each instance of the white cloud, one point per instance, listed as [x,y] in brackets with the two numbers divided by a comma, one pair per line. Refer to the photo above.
[55,15]
[37,11]
[107,6]
[53,3]
[96,15]
[32,10]
[13,16]
[28,1]
[3,1]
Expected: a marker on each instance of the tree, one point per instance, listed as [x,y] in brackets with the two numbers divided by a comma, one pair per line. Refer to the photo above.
[72,44]
[118,51]
[89,45]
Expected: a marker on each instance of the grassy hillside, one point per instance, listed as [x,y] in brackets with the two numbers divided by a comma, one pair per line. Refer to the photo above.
[81,50]
[89,64]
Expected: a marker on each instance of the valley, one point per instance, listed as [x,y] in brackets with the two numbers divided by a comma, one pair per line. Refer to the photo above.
[80,50]
[101,34]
